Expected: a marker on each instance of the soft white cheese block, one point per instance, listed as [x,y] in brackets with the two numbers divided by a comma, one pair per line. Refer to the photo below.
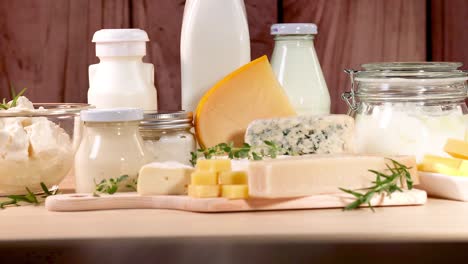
[164,178]
[328,134]
[318,174]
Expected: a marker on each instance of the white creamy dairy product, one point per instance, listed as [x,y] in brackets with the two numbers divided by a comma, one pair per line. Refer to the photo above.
[111,147]
[408,131]
[121,79]
[214,42]
[297,68]
[32,150]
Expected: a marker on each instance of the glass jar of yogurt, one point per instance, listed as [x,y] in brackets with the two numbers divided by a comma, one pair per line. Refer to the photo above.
[407,108]
[111,147]
[168,135]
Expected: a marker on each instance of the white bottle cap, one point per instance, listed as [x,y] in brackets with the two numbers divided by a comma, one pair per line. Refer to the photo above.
[120,42]
[112,115]
[293,29]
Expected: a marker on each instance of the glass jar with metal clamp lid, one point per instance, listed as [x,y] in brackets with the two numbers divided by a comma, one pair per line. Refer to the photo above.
[168,136]
[407,108]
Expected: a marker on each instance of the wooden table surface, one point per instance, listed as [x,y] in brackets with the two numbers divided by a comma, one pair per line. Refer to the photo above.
[438,220]
[434,233]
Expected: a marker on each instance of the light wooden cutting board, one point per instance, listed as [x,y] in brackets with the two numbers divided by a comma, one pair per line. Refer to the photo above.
[86,202]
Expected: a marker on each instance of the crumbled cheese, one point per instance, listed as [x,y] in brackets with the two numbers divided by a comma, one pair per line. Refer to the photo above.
[32,150]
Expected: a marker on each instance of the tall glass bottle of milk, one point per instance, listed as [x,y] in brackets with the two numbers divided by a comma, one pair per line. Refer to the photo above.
[215,41]
[121,79]
[297,68]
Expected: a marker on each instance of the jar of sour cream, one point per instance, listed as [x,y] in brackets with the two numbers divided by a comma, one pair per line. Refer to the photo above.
[168,135]
[407,108]
[111,147]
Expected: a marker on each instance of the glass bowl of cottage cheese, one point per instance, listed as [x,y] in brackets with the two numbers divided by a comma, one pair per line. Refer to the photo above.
[37,144]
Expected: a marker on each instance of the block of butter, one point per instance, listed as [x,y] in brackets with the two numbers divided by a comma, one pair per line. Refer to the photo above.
[164,178]
[317,174]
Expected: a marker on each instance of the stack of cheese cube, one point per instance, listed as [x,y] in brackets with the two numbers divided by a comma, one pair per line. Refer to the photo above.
[456,166]
[214,178]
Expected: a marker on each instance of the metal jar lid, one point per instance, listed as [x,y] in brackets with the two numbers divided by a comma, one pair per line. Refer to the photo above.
[167,120]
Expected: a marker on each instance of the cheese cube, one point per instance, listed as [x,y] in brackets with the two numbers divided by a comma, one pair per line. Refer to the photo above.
[457,148]
[204,178]
[203,191]
[166,178]
[318,174]
[441,168]
[235,191]
[233,177]
[329,134]
[215,165]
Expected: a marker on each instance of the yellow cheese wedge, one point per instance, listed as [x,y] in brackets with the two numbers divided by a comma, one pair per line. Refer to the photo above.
[457,148]
[235,191]
[430,161]
[204,178]
[249,93]
[203,191]
[233,177]
[215,165]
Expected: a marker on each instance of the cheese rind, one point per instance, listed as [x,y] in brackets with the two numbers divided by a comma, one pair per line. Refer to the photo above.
[457,148]
[233,177]
[203,191]
[318,174]
[164,178]
[239,191]
[204,178]
[330,134]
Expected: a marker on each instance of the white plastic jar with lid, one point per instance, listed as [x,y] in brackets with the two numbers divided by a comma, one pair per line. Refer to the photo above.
[407,108]
[121,79]
[111,147]
[168,136]
[214,42]
[297,67]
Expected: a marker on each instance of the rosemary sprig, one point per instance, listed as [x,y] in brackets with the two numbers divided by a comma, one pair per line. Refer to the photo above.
[112,185]
[30,197]
[384,183]
[4,105]
[269,149]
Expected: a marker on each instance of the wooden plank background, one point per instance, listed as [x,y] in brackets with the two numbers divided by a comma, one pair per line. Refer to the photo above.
[45,45]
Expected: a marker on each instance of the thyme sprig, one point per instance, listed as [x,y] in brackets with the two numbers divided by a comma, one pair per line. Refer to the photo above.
[112,185]
[384,183]
[5,105]
[30,197]
[269,149]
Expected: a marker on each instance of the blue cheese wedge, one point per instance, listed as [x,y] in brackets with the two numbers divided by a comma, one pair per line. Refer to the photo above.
[330,134]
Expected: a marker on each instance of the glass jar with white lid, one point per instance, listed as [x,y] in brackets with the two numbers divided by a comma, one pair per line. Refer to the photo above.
[407,108]
[111,147]
[168,135]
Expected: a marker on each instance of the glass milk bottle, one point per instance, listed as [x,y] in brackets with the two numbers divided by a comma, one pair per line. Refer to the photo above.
[297,68]
[215,41]
[121,79]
